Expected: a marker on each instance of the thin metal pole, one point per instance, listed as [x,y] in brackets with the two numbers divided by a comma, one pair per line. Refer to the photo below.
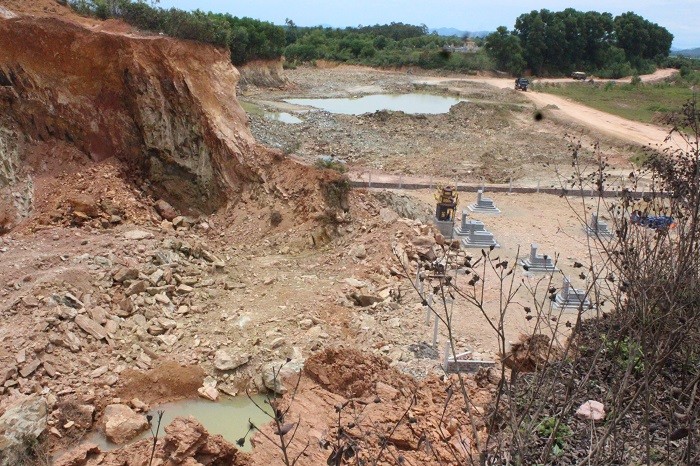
[435,332]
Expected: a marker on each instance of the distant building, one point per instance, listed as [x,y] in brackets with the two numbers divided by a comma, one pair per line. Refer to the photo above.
[467,47]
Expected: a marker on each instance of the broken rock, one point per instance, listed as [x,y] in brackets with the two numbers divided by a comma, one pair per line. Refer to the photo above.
[122,424]
[165,210]
[126,273]
[91,327]
[274,374]
[225,361]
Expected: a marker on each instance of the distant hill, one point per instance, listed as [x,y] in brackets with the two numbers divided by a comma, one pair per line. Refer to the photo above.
[692,53]
[459,32]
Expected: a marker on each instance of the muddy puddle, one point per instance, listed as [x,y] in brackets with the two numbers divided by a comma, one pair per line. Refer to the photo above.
[415,103]
[282,117]
[228,417]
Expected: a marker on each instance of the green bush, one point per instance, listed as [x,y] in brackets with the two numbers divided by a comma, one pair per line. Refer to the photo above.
[331,164]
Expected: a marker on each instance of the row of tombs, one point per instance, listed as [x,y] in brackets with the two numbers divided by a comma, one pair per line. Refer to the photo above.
[473,234]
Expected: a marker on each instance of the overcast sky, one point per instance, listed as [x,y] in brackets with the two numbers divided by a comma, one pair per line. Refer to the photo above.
[680,17]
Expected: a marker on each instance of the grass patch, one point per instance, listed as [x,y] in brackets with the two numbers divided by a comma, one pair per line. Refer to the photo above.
[331,164]
[639,158]
[646,103]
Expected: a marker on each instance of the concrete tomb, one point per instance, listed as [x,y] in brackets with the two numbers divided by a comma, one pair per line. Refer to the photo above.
[598,227]
[465,362]
[483,204]
[570,298]
[538,263]
[463,229]
[475,235]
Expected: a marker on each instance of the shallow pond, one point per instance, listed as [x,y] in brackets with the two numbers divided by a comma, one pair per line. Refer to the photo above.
[228,417]
[283,117]
[409,103]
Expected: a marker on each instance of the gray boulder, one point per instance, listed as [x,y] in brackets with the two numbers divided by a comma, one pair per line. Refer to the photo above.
[23,421]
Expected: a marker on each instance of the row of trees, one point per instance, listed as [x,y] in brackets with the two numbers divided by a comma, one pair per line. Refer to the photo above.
[247,39]
[548,43]
[560,42]
[392,45]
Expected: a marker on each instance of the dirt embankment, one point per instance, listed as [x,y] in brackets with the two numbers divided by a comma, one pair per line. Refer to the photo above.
[166,109]
[263,73]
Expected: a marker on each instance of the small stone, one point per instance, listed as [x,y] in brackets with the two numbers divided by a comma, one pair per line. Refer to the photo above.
[225,361]
[355,282]
[98,314]
[359,251]
[165,210]
[99,371]
[111,379]
[137,235]
[277,342]
[30,301]
[156,277]
[7,373]
[183,289]
[125,273]
[91,327]
[306,324]
[168,340]
[72,301]
[275,373]
[29,369]
[591,410]
[387,215]
[138,405]
[136,287]
[50,370]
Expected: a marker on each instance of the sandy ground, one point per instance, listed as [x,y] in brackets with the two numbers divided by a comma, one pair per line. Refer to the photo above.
[620,128]
[556,225]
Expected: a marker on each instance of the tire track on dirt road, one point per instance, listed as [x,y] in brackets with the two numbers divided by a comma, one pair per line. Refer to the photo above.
[626,130]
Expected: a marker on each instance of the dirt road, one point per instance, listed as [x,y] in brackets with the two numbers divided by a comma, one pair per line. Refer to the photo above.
[621,128]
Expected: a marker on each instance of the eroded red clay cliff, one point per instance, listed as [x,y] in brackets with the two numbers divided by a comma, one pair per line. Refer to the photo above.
[165,108]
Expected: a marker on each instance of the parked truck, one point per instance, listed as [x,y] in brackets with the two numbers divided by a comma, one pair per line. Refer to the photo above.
[521,84]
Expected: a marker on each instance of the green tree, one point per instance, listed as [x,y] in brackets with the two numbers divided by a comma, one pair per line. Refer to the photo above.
[641,39]
[505,50]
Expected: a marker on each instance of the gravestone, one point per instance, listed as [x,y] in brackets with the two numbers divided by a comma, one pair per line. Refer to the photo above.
[483,204]
[462,229]
[570,298]
[598,227]
[538,263]
[475,235]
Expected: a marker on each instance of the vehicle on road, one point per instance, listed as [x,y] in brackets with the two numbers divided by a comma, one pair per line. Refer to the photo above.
[521,84]
[579,75]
